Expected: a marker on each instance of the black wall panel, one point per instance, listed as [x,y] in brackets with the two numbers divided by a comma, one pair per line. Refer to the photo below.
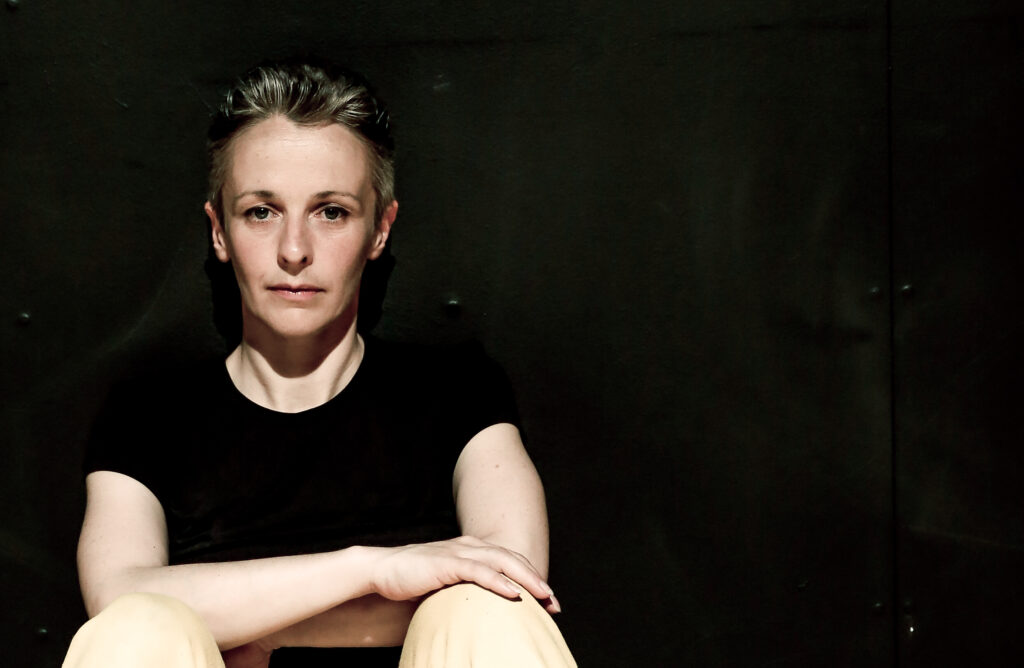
[669,221]
[958,97]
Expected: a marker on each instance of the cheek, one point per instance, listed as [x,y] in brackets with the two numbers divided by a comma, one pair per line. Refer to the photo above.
[350,255]
[247,269]
[245,255]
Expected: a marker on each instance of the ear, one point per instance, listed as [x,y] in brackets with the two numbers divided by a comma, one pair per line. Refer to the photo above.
[217,234]
[383,231]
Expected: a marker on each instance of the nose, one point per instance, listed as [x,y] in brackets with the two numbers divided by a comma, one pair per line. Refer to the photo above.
[295,245]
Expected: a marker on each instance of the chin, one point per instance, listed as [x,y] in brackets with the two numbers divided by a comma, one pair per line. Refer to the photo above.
[300,330]
[300,327]
[297,323]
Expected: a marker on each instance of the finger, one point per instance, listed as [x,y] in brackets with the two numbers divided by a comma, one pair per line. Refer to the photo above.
[473,543]
[552,605]
[513,564]
[476,571]
[520,570]
[534,585]
[520,557]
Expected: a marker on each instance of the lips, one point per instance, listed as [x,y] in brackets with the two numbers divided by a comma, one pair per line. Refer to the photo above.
[296,288]
[295,292]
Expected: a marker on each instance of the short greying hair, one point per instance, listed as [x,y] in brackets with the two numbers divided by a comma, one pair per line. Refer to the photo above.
[306,93]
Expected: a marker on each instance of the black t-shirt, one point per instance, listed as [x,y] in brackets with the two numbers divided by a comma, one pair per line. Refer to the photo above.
[372,466]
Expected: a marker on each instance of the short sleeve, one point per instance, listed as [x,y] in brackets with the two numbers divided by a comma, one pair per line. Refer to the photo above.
[123,436]
[483,394]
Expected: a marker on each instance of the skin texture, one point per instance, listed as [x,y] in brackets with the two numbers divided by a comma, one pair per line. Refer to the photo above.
[298,213]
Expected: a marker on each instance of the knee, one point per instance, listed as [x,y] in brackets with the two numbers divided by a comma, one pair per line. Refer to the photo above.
[143,629]
[467,625]
[469,603]
[142,612]
[145,604]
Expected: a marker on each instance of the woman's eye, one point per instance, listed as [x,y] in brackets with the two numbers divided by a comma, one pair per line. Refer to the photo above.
[334,213]
[258,213]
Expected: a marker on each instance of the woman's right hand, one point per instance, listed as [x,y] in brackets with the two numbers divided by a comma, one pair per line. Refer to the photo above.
[413,571]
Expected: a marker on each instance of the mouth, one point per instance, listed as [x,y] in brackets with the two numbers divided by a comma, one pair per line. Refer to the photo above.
[295,291]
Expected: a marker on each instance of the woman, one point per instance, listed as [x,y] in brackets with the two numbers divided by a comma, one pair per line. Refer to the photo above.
[313,488]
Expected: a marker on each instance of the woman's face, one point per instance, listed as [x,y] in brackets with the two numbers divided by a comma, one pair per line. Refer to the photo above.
[298,206]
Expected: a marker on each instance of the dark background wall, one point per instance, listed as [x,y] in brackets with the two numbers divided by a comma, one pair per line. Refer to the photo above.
[752,267]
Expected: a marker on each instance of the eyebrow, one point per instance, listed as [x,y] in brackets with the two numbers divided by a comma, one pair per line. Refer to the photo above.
[260,193]
[268,194]
[337,193]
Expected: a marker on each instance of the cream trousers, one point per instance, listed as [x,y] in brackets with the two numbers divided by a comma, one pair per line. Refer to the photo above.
[456,627]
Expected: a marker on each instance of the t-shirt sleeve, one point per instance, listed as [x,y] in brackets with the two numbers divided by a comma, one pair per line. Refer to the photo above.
[120,440]
[484,395]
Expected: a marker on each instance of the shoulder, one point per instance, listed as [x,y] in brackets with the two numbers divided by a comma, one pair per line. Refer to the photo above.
[152,388]
[145,411]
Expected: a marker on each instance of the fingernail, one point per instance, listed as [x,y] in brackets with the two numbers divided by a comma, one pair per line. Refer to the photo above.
[547,588]
[514,588]
[555,604]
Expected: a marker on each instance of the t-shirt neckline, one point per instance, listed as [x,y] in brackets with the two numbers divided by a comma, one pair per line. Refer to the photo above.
[338,398]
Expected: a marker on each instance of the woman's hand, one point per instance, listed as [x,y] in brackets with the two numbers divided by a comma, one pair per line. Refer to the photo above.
[412,571]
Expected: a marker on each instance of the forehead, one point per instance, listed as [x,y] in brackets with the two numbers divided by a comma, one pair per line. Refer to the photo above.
[279,155]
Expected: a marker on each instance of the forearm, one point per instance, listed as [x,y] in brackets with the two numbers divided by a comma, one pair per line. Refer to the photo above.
[247,600]
[369,621]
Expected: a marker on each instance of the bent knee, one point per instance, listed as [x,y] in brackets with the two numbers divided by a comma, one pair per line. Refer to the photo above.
[141,609]
[466,625]
[143,629]
[145,603]
[468,602]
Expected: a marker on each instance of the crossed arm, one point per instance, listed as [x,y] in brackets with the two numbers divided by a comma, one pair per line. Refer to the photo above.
[354,596]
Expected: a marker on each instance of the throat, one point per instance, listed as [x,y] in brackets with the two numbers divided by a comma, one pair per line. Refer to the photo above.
[292,381]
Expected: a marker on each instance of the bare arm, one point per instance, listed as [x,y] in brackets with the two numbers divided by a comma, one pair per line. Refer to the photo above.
[123,548]
[499,497]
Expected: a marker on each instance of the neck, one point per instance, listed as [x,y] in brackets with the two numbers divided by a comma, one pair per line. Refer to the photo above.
[292,375]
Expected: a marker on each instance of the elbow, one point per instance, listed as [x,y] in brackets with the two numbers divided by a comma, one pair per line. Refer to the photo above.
[97,599]
[98,595]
